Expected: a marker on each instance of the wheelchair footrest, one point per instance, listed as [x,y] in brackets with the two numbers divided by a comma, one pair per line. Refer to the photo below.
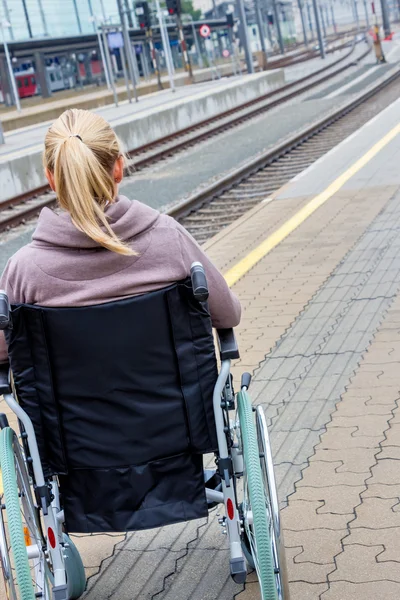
[238,569]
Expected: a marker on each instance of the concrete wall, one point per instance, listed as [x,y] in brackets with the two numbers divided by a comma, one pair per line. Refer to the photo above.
[22,173]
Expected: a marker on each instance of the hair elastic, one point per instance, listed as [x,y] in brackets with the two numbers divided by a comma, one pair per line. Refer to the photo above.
[77,136]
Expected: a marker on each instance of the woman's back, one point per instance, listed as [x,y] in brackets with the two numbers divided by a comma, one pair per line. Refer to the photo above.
[98,250]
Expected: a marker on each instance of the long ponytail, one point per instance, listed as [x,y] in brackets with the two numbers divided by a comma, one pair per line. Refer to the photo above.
[81,150]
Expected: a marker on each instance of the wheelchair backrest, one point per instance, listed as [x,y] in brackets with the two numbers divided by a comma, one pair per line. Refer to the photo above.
[125,382]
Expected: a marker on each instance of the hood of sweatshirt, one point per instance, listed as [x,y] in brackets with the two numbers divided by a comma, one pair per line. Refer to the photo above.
[128,219]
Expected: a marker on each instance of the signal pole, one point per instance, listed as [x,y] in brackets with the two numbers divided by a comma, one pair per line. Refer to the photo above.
[245,37]
[318,25]
[128,47]
[27,19]
[186,59]
[303,22]
[149,35]
[278,27]
[8,18]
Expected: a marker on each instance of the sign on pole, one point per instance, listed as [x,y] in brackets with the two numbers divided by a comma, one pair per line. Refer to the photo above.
[205,31]
[115,40]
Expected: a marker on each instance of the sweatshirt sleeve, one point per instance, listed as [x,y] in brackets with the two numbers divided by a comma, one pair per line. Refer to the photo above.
[5,285]
[224,306]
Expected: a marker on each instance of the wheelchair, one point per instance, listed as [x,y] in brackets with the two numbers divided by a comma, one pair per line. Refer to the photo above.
[117,404]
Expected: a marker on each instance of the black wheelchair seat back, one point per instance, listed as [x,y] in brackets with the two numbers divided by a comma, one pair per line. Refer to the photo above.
[121,399]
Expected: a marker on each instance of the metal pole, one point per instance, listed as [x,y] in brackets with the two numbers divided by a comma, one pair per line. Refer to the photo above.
[27,19]
[355,9]
[318,25]
[261,34]
[244,36]
[77,16]
[92,17]
[11,72]
[310,21]
[43,18]
[186,59]
[333,19]
[8,18]
[166,46]
[322,20]
[109,67]
[303,22]
[149,34]
[196,43]
[385,18]
[278,27]
[103,58]
[123,60]
[366,13]
[128,47]
[128,13]
[103,10]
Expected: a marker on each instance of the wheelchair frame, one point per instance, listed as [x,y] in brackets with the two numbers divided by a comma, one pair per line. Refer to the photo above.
[231,466]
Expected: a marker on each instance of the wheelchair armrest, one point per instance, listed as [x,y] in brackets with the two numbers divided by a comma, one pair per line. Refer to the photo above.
[228,347]
[5,387]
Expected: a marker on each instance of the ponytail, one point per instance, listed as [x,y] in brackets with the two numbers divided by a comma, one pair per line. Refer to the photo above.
[81,150]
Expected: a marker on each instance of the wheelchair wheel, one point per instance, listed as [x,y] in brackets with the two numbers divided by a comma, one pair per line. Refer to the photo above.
[21,542]
[261,537]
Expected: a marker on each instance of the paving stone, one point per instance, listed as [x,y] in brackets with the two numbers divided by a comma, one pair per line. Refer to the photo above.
[306,591]
[343,590]
[338,499]
[381,490]
[317,546]
[386,471]
[322,474]
[388,539]
[356,460]
[360,564]
[378,513]
[302,515]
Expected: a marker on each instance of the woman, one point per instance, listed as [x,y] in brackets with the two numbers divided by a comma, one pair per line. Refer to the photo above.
[101,246]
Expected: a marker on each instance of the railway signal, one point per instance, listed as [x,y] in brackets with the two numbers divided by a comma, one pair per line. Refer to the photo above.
[174,7]
[230,19]
[143,15]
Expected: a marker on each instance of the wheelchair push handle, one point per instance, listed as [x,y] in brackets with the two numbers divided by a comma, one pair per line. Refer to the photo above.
[245,382]
[5,313]
[199,282]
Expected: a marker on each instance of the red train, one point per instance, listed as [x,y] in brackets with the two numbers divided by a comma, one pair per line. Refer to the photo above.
[27,84]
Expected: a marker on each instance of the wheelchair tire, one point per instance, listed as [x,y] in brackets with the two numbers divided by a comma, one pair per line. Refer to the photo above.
[76,578]
[14,519]
[262,548]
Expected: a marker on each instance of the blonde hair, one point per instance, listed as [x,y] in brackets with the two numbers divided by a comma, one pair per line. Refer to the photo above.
[80,151]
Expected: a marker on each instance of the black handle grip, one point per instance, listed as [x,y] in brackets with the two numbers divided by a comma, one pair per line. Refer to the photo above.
[199,282]
[5,315]
[246,379]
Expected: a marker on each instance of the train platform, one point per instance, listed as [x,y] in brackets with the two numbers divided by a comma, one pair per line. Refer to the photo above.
[317,269]
[156,116]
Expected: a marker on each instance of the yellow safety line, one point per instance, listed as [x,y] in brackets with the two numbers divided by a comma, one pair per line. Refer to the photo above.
[244,265]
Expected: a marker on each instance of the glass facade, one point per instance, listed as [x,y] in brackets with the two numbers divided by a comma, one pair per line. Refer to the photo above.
[54,17]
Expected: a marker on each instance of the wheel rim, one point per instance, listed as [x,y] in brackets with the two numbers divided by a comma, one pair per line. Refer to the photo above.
[267,468]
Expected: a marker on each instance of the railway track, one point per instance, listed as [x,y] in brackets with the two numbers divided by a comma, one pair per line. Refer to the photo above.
[18,210]
[207,212]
